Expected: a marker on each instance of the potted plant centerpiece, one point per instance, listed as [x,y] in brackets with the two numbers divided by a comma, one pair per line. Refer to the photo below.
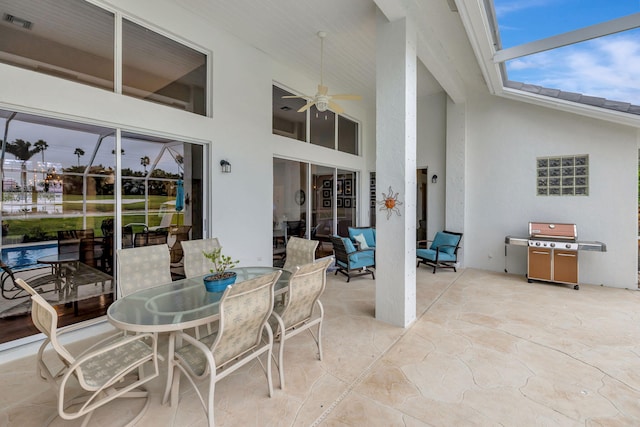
[220,277]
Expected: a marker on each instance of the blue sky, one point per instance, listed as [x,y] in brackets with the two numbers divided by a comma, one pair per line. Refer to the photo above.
[608,67]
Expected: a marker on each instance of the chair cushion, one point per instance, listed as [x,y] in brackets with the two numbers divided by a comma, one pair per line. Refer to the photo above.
[105,366]
[441,239]
[430,255]
[359,238]
[368,233]
[362,259]
[348,245]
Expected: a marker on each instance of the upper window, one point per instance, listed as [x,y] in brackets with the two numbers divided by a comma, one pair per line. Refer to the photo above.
[286,119]
[74,40]
[71,39]
[323,128]
[347,135]
[326,128]
[161,70]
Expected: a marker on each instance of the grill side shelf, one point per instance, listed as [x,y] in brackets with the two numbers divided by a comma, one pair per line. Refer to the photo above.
[592,246]
[516,241]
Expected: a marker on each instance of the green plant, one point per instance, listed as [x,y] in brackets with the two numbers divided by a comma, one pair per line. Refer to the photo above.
[220,261]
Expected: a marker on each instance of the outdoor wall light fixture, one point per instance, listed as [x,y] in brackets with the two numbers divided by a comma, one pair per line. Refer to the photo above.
[225,166]
[434,179]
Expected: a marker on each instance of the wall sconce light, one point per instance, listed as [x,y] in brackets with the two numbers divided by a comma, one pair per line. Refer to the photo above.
[225,166]
[434,179]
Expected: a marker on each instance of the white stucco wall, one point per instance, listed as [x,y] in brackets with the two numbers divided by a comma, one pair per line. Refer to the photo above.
[503,140]
[431,154]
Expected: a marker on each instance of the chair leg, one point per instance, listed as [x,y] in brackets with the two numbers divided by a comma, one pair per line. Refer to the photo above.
[212,387]
[281,361]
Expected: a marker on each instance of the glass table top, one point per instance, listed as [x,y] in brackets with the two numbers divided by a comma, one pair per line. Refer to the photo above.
[178,305]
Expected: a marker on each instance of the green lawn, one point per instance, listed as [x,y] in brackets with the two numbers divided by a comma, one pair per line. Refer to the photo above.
[43,228]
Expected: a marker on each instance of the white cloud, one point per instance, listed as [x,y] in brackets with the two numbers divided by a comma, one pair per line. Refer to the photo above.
[606,67]
[504,8]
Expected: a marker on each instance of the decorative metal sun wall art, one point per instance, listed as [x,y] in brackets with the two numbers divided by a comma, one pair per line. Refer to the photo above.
[390,203]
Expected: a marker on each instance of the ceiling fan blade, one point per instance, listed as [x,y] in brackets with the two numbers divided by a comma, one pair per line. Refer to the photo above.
[347,97]
[335,108]
[306,106]
[322,90]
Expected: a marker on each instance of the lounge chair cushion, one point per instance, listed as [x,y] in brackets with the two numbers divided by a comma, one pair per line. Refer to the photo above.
[368,233]
[430,254]
[348,245]
[448,243]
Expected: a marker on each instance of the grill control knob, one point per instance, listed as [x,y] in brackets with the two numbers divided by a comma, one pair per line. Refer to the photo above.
[568,245]
[553,245]
[537,243]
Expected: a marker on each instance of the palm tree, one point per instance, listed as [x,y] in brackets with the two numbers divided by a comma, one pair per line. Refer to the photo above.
[22,150]
[144,161]
[42,146]
[79,152]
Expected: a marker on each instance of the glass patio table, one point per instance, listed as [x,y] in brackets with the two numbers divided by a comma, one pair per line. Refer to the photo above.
[172,307]
[178,305]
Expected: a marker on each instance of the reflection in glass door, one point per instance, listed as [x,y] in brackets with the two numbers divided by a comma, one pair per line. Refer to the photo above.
[345,201]
[323,204]
[290,201]
[329,194]
[59,197]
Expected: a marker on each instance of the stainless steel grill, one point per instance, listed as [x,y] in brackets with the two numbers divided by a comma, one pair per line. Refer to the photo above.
[553,252]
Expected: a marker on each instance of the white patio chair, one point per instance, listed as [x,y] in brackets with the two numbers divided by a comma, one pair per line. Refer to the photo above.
[195,264]
[142,267]
[295,313]
[99,370]
[165,222]
[299,252]
[243,335]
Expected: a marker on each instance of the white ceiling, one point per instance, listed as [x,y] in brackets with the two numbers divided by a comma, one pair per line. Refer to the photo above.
[286,30]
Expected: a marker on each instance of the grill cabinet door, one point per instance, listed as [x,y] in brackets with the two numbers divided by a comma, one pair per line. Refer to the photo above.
[565,266]
[539,264]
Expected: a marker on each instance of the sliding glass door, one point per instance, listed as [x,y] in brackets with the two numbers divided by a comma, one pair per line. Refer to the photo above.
[311,201]
[60,221]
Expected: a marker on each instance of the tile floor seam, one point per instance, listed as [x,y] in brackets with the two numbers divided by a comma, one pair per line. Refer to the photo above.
[375,361]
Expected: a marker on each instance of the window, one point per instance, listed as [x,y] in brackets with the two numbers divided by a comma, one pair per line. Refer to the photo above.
[161,70]
[563,176]
[79,48]
[347,135]
[326,128]
[286,119]
[74,40]
[323,128]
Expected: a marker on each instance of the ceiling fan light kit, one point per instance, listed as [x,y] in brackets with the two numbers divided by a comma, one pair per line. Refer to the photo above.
[322,100]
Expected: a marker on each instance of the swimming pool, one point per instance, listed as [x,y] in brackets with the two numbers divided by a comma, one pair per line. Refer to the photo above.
[20,257]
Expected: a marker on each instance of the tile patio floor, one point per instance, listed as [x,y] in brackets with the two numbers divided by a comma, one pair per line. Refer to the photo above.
[486,349]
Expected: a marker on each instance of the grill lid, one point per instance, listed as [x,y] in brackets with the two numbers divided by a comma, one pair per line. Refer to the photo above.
[547,230]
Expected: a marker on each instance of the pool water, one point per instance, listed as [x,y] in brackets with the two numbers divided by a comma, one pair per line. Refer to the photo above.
[21,257]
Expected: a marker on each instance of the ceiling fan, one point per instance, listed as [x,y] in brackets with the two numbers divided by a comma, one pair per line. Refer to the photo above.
[322,100]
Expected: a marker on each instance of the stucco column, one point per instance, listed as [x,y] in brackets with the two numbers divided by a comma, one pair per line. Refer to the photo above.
[396,168]
[456,164]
